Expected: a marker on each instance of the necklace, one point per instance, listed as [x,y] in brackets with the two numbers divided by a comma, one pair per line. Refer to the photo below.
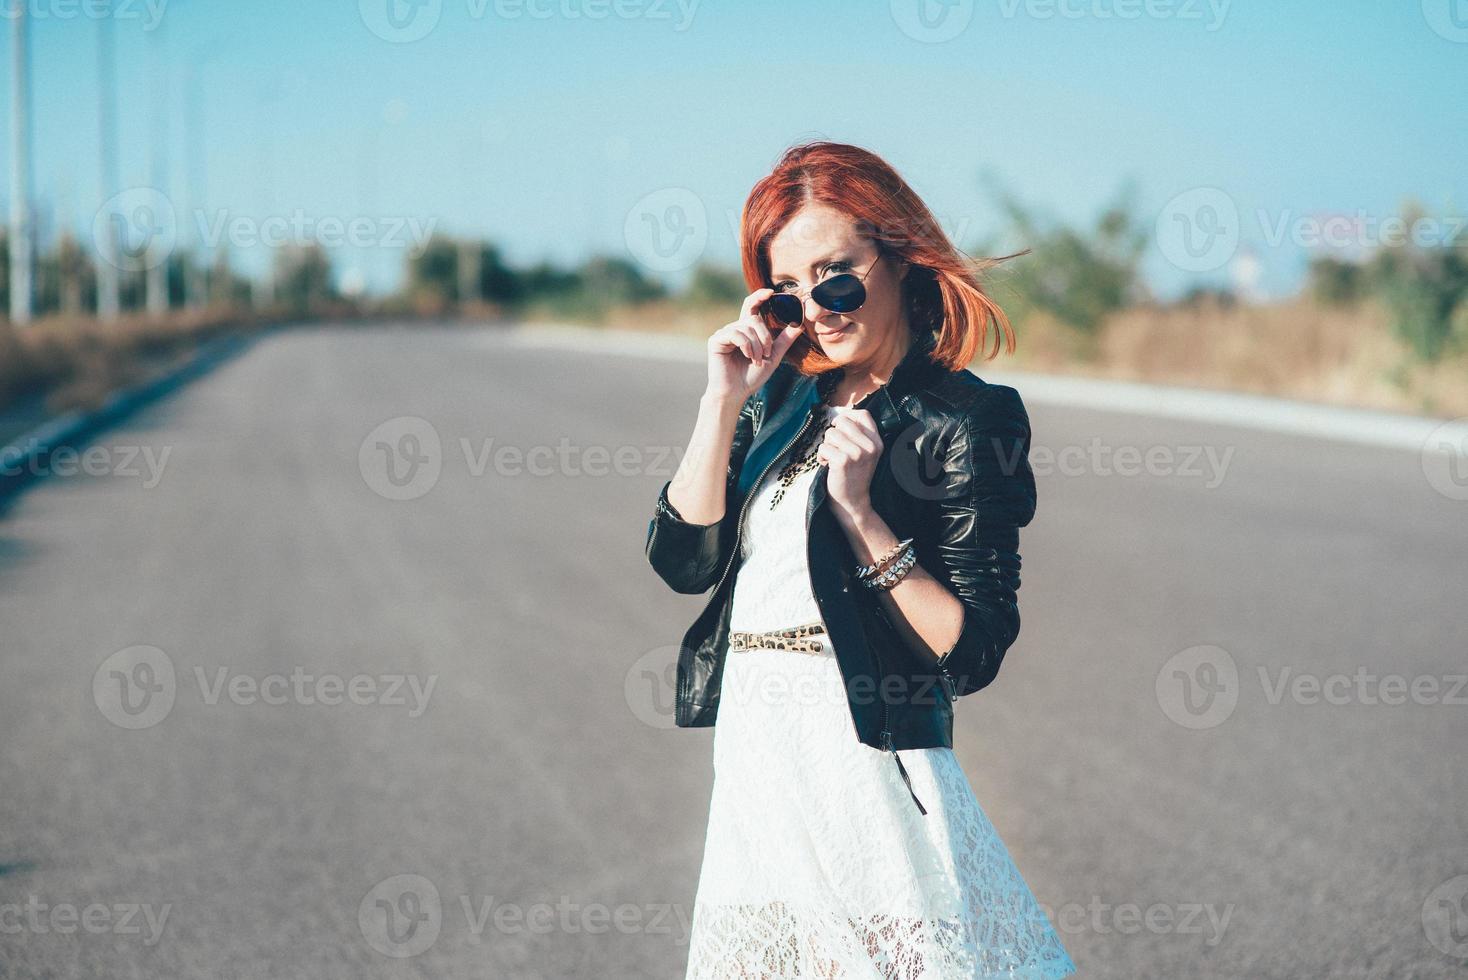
[802,458]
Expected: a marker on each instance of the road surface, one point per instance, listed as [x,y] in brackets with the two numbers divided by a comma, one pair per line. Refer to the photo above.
[289,690]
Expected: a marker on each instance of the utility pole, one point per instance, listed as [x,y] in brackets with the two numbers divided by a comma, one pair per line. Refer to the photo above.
[21,262]
[157,276]
[194,188]
[109,293]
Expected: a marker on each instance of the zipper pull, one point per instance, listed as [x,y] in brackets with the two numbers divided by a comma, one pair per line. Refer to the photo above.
[887,744]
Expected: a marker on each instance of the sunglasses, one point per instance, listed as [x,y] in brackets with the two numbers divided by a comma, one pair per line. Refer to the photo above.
[844,292]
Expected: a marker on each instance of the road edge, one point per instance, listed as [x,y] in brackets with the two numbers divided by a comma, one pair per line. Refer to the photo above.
[22,461]
[1361,426]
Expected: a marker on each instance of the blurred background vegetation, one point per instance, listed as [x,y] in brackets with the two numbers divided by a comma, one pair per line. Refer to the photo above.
[1387,329]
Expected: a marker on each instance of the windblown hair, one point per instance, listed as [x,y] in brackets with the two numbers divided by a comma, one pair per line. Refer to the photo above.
[941,291]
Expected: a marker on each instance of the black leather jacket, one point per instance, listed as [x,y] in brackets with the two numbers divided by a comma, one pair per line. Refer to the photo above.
[954,476]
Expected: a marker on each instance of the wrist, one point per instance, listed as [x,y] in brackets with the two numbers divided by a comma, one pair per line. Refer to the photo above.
[859,518]
[720,403]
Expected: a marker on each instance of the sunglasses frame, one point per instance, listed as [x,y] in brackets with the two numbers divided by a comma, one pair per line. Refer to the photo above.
[800,294]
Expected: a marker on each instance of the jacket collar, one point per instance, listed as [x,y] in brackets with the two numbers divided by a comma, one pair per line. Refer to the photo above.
[807,391]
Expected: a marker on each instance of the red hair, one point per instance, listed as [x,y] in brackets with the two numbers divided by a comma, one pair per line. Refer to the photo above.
[941,291]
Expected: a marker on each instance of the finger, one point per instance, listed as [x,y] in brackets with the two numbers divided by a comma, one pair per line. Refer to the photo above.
[753,300]
[763,336]
[856,435]
[860,417]
[753,339]
[785,338]
[738,341]
[839,443]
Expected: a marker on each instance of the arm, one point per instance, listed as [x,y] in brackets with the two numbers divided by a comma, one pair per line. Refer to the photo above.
[688,548]
[960,595]
[988,495]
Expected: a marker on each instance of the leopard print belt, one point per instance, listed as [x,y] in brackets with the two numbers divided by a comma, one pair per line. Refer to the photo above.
[786,639]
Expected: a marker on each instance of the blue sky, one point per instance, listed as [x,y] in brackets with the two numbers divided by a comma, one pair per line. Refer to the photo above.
[543,127]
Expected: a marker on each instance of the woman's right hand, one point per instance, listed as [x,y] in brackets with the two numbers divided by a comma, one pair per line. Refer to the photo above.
[743,354]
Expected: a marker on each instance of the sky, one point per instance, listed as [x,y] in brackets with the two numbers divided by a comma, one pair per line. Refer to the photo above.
[562,128]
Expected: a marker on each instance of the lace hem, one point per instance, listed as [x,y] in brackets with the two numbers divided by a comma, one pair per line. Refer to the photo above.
[769,941]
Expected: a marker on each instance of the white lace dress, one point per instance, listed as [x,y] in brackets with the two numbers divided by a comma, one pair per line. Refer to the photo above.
[817,862]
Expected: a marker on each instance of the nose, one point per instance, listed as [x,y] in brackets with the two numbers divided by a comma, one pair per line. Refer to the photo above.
[813,310]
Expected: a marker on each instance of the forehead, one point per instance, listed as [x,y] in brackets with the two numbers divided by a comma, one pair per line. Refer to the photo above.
[815,232]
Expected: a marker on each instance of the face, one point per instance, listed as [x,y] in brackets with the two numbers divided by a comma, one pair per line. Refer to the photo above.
[820,242]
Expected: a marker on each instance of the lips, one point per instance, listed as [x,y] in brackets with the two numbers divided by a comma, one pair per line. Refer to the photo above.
[831,334]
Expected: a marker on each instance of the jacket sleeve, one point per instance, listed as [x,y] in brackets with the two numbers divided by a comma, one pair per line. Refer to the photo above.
[987,495]
[690,557]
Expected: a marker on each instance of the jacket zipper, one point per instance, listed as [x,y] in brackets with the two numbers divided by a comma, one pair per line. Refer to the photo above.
[743,509]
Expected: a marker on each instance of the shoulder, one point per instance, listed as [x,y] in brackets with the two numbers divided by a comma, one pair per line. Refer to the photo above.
[963,400]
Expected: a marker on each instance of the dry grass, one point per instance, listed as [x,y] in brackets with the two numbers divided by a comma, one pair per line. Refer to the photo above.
[1293,349]
[76,362]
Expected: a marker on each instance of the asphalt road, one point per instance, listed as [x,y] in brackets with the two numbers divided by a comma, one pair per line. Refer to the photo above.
[259,718]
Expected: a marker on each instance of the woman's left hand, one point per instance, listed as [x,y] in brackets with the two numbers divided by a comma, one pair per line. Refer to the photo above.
[851,447]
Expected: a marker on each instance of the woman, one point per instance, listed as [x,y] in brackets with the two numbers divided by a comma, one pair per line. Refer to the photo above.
[853,495]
